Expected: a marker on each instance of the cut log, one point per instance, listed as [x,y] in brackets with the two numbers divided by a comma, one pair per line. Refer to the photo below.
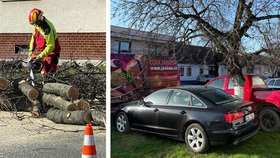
[58,102]
[69,117]
[63,90]
[4,84]
[82,104]
[98,118]
[30,92]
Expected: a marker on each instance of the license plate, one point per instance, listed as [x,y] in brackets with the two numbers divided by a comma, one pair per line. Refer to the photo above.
[249,117]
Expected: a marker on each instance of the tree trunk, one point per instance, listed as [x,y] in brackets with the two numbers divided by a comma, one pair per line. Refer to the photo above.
[58,102]
[63,90]
[4,83]
[69,117]
[82,104]
[30,92]
[99,118]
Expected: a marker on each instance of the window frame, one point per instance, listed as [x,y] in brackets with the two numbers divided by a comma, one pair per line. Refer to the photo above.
[189,73]
[190,95]
[164,102]
[223,85]
[119,44]
[193,96]
[171,94]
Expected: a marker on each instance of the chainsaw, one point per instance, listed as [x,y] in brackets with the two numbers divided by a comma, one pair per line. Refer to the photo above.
[33,66]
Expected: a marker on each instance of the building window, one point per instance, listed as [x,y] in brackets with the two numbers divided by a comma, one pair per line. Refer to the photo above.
[182,71]
[21,49]
[201,71]
[122,47]
[189,71]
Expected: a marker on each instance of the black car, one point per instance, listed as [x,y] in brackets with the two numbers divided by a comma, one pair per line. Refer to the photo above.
[197,115]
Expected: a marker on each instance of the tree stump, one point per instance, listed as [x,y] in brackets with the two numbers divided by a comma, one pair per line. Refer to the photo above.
[58,102]
[63,90]
[4,84]
[30,92]
[82,104]
[69,117]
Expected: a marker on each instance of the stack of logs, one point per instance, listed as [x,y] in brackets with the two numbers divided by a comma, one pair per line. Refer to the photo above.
[62,104]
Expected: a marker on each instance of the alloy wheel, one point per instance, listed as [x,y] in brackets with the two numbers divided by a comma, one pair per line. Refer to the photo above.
[195,138]
[121,123]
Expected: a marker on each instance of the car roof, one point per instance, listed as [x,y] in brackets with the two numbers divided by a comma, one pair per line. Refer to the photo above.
[193,89]
[273,79]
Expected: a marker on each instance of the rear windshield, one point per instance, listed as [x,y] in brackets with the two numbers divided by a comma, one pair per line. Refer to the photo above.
[218,96]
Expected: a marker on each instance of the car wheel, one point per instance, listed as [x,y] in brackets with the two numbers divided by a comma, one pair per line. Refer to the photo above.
[196,138]
[269,120]
[122,122]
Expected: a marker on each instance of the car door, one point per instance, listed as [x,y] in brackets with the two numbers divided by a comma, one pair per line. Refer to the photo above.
[173,114]
[145,117]
[220,83]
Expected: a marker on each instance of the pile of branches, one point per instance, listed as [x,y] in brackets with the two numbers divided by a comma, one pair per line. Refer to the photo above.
[89,78]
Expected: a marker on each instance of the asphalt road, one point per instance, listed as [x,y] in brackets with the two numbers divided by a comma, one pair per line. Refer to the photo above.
[39,137]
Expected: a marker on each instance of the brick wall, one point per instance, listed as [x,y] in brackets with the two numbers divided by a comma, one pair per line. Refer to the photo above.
[80,46]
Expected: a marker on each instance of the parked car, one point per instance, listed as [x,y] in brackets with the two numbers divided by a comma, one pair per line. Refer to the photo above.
[266,99]
[273,83]
[197,115]
[203,78]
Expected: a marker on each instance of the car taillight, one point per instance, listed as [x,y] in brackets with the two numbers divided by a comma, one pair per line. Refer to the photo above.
[229,117]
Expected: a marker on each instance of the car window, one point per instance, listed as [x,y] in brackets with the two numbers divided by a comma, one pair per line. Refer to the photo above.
[217,96]
[258,82]
[179,98]
[277,83]
[218,83]
[270,82]
[196,102]
[157,98]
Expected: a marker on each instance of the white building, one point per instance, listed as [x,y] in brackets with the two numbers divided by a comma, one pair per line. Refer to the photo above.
[124,40]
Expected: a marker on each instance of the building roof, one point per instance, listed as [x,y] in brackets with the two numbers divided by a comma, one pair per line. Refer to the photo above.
[132,34]
[191,54]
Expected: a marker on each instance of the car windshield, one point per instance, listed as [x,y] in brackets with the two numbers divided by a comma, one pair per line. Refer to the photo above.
[218,96]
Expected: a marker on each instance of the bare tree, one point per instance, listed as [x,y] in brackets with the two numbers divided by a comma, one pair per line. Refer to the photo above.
[228,26]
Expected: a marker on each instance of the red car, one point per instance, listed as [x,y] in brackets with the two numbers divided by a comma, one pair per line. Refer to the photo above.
[256,90]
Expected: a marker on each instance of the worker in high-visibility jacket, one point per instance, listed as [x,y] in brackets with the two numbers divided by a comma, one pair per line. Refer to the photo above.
[44,46]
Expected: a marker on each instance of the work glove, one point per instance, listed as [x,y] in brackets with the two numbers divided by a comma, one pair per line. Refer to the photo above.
[36,60]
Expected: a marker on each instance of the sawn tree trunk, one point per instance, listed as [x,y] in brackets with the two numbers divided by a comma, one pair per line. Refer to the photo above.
[30,92]
[69,117]
[63,90]
[58,102]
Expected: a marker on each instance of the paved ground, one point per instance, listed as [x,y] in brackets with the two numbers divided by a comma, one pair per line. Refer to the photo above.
[39,137]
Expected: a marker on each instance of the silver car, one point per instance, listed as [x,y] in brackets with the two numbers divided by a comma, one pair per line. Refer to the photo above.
[273,83]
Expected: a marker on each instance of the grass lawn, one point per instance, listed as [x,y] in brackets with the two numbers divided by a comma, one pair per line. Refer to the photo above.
[143,145]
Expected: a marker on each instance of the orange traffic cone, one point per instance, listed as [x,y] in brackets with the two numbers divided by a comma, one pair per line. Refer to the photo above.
[89,149]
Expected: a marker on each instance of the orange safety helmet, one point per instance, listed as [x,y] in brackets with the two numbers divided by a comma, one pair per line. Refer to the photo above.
[35,15]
